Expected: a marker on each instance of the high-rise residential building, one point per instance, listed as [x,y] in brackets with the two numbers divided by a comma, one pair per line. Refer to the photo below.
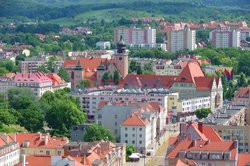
[178,40]
[224,37]
[135,36]
[30,65]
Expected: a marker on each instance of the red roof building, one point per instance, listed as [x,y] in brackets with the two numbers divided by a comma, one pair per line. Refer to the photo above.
[57,81]
[203,145]
[40,144]
[134,120]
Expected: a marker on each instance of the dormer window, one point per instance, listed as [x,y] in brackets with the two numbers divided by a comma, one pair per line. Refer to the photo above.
[120,58]
[183,78]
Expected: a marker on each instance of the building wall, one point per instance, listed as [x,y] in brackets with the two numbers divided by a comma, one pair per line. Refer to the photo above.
[11,158]
[6,84]
[240,133]
[42,151]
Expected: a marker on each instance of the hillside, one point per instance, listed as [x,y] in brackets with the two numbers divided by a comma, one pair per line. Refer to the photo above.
[59,11]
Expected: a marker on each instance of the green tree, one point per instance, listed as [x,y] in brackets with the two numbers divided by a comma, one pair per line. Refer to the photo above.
[129,150]
[105,78]
[96,133]
[147,69]
[202,113]
[21,98]
[61,111]
[64,74]
[139,70]
[242,81]
[32,118]
[3,71]
[43,69]
[116,77]
[83,84]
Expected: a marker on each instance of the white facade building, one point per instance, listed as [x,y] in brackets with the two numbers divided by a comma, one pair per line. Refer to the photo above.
[9,151]
[6,84]
[135,36]
[178,40]
[90,99]
[225,38]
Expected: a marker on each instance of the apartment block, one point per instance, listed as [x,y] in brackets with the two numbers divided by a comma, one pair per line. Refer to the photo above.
[240,133]
[224,37]
[135,36]
[30,65]
[90,98]
[178,40]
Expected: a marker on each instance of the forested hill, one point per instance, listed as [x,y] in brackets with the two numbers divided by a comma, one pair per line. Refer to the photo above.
[182,9]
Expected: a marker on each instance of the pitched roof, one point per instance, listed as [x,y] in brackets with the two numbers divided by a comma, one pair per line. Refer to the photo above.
[37,161]
[31,77]
[243,159]
[134,120]
[243,92]
[190,71]
[148,81]
[56,79]
[39,140]
[206,146]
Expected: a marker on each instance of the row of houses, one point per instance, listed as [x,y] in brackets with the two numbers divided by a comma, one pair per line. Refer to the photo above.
[39,149]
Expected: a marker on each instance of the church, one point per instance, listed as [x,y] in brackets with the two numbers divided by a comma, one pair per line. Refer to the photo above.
[94,68]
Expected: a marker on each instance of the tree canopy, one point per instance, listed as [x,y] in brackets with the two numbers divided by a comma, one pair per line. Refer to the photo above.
[202,113]
[96,133]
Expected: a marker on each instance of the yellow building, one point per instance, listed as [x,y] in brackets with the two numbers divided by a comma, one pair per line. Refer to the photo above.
[40,144]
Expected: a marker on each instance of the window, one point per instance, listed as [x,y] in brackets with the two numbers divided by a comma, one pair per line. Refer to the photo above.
[59,153]
[140,135]
[126,135]
[133,135]
[115,116]
[140,142]
[47,152]
[133,128]
[99,116]
[41,151]
[115,123]
[126,141]
[140,129]
[133,142]
[126,128]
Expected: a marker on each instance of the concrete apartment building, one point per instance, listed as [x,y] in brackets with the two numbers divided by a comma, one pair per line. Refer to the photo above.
[183,110]
[9,150]
[135,36]
[178,40]
[30,65]
[242,97]
[103,45]
[240,133]
[90,98]
[224,37]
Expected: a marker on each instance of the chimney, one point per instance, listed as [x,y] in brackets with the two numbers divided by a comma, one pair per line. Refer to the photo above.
[23,160]
[200,127]
[46,139]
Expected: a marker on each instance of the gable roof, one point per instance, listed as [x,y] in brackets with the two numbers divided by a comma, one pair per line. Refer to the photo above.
[243,92]
[134,120]
[190,71]
[56,79]
[243,159]
[37,161]
[31,77]
[38,140]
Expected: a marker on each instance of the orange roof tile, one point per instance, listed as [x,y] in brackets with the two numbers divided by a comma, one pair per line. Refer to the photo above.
[245,91]
[243,159]
[134,120]
[38,140]
[86,63]
[37,161]
[56,79]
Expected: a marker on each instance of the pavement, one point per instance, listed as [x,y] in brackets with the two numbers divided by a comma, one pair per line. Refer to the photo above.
[158,159]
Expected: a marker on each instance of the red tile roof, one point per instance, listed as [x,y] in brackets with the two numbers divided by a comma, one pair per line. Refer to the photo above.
[56,79]
[37,140]
[245,91]
[37,161]
[206,146]
[90,64]
[191,71]
[243,159]
[134,120]
[38,77]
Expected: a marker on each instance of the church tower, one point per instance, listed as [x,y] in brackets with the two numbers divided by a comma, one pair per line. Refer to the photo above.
[76,75]
[121,58]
